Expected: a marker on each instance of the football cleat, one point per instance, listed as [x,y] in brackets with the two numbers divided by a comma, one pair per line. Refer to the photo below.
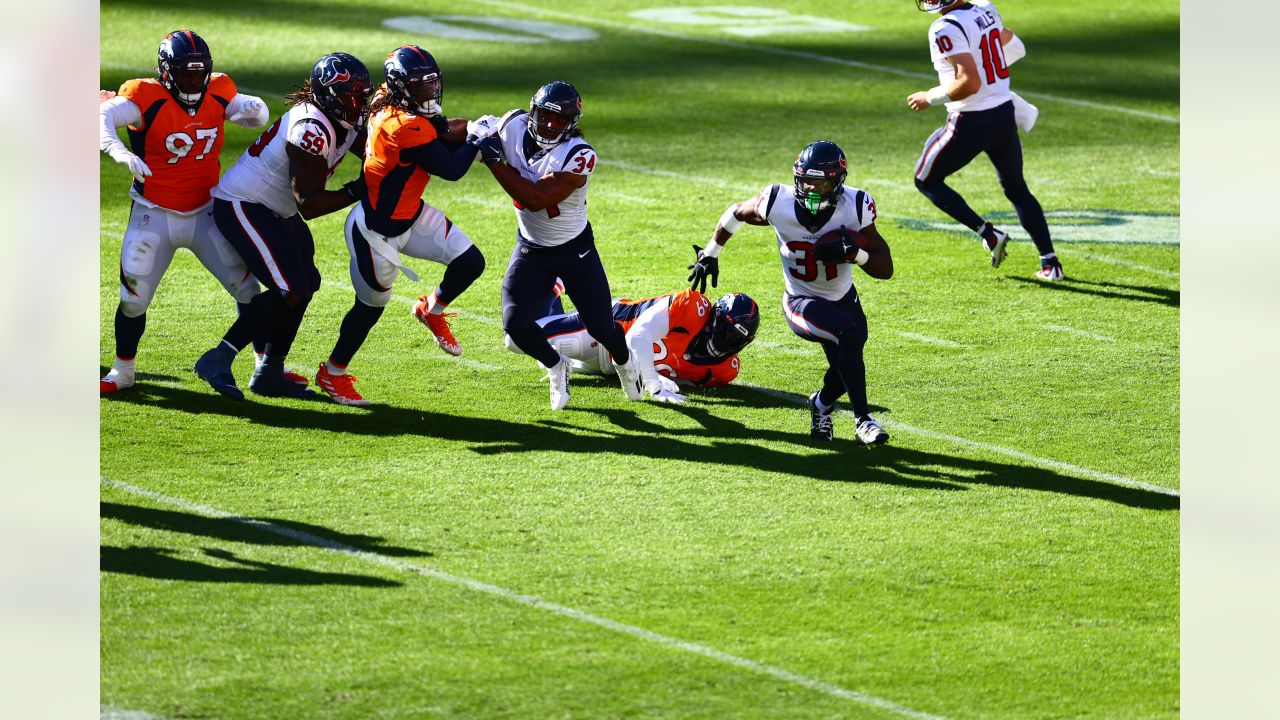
[1051,270]
[629,376]
[438,326]
[821,426]
[295,377]
[559,377]
[996,242]
[271,381]
[114,382]
[870,433]
[214,367]
[340,388]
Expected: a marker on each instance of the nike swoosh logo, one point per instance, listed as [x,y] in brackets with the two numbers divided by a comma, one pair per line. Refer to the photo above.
[582,255]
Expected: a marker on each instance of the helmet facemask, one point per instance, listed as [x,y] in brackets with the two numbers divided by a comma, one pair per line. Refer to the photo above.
[816,192]
[184,67]
[933,6]
[549,127]
[422,96]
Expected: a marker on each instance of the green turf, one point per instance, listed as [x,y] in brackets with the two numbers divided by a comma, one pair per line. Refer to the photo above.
[946,577]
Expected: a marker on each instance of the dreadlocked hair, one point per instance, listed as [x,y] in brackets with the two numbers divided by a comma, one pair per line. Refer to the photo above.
[382,99]
[301,94]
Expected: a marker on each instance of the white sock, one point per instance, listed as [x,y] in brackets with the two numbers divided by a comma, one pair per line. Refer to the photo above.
[258,359]
[553,367]
[434,306]
[334,369]
[824,409]
[1050,256]
[123,367]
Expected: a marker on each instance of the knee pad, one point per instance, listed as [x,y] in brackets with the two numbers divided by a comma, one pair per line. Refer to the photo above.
[135,305]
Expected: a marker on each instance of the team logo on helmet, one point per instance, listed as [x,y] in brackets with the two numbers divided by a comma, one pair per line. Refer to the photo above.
[332,73]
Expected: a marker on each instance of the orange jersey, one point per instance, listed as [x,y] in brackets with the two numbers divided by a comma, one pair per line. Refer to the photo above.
[688,314]
[181,147]
[395,186]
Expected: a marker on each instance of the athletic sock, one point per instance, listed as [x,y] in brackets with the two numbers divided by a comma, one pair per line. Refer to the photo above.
[823,408]
[436,306]
[333,369]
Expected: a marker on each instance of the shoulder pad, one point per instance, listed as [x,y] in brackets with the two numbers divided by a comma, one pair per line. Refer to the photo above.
[220,84]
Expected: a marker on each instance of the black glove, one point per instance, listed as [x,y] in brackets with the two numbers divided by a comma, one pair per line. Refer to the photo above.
[440,123]
[703,267]
[356,188]
[490,150]
[834,253]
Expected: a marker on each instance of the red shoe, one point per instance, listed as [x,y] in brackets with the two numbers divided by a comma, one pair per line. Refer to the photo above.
[114,382]
[438,325]
[341,388]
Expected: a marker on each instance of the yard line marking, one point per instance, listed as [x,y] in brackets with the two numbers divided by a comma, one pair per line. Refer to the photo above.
[529,600]
[784,349]
[630,27]
[702,179]
[1081,333]
[872,182]
[469,314]
[1076,470]
[1121,263]
[930,340]
[108,712]
[624,196]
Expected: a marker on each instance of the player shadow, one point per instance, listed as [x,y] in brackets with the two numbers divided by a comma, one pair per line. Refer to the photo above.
[733,445]
[1138,293]
[243,530]
[162,564]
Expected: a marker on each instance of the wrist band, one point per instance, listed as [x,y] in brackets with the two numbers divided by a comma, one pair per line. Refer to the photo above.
[712,249]
[729,222]
[862,257]
[936,95]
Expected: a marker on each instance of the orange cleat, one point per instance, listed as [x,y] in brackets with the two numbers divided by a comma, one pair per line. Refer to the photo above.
[341,388]
[438,326]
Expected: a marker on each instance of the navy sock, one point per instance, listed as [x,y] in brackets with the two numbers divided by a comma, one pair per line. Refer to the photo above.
[128,333]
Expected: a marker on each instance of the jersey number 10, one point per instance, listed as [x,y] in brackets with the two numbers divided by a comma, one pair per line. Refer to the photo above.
[993,56]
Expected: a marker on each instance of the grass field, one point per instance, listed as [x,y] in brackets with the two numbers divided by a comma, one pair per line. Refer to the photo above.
[457,549]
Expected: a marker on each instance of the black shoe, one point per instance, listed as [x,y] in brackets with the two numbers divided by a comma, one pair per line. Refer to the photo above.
[820,425]
[214,367]
[269,380]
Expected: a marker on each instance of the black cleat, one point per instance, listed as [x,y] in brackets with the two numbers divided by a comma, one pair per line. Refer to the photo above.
[820,424]
[271,381]
[214,367]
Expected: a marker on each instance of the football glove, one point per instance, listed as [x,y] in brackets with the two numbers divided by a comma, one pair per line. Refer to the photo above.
[666,396]
[835,252]
[702,268]
[357,188]
[483,127]
[490,149]
[135,164]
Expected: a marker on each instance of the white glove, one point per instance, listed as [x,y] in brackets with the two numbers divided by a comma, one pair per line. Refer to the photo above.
[484,127]
[135,164]
[252,113]
[667,396]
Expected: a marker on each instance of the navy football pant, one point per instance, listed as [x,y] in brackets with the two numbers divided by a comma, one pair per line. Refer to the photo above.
[956,144]
[529,281]
[840,327]
[281,253]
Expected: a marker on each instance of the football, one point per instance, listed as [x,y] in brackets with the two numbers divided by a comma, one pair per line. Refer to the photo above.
[835,236]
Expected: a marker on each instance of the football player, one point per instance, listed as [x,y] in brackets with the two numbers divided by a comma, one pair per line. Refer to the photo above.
[540,159]
[678,340]
[261,207]
[175,136]
[410,140]
[824,228]
[971,50]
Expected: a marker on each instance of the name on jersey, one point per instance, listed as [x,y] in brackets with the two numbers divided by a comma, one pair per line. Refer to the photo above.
[985,20]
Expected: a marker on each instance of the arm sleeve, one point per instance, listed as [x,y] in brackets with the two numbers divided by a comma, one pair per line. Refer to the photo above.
[1014,50]
[436,159]
[247,111]
[652,325]
[112,114]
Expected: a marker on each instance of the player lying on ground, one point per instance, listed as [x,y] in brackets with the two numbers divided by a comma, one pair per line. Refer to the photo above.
[823,230]
[175,132]
[679,340]
[261,207]
[410,140]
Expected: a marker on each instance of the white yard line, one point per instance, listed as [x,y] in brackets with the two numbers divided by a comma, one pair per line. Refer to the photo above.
[755,48]
[1081,333]
[528,600]
[624,196]
[687,177]
[786,349]
[1115,261]
[930,340]
[1076,470]
[108,712]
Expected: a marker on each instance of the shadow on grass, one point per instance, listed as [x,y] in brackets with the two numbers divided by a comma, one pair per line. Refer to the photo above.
[160,563]
[1111,290]
[734,446]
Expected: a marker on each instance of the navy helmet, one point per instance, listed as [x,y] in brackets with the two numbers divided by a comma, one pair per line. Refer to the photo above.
[184,66]
[731,327]
[820,171]
[340,86]
[414,80]
[554,112]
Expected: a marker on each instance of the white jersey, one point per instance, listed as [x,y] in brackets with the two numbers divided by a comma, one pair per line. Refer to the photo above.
[802,274]
[567,219]
[261,174]
[973,28]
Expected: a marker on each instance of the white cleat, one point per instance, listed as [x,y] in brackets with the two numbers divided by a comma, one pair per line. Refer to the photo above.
[558,374]
[115,381]
[629,376]
[996,242]
[870,433]
[1051,270]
